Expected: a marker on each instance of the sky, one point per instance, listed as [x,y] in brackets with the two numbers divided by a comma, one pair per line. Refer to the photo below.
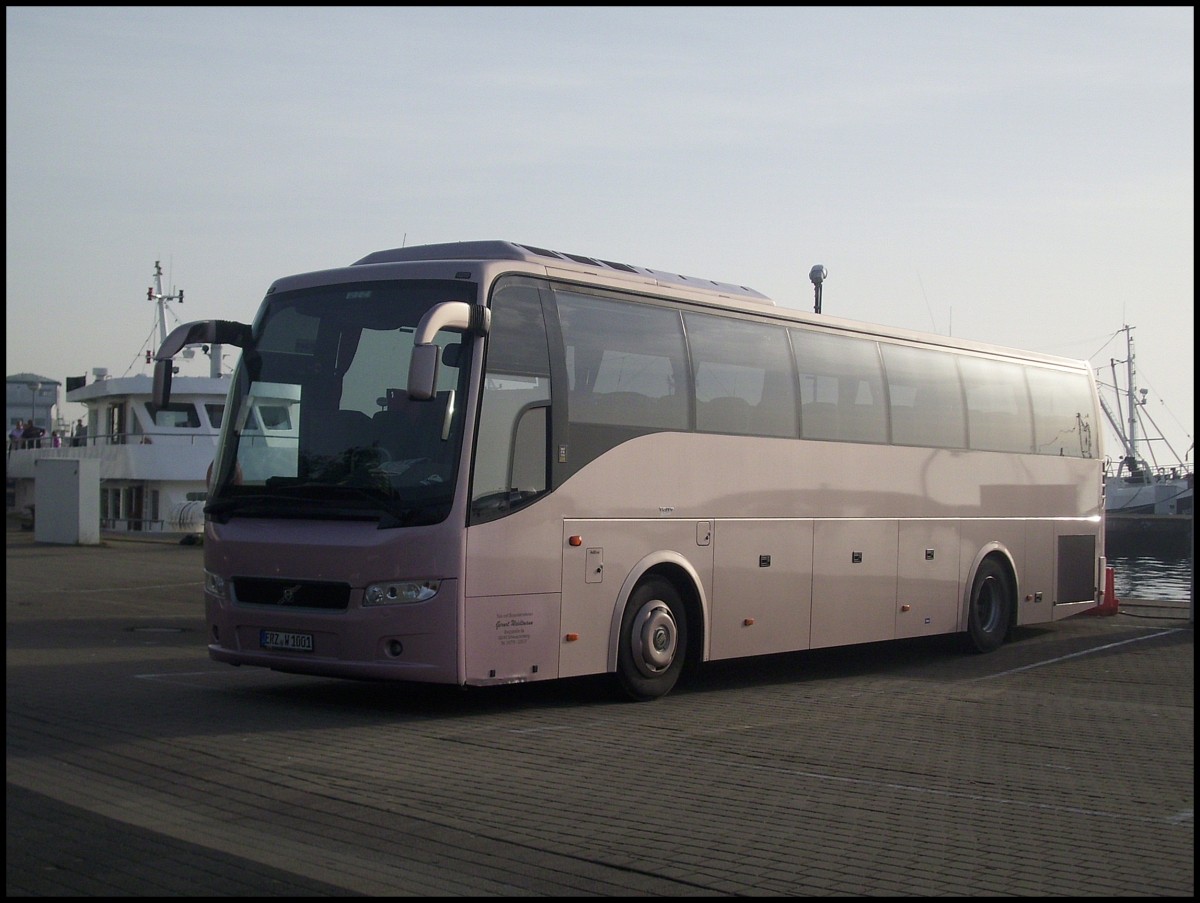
[1022,176]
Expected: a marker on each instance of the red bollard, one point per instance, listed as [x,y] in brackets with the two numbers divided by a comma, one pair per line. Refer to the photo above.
[1109,604]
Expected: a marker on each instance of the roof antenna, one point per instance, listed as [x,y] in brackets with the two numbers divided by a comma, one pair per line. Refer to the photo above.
[817,274]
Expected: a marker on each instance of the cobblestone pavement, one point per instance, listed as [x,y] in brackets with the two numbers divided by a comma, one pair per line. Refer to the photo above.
[1060,765]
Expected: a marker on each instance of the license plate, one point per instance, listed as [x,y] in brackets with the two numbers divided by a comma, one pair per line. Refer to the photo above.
[297,642]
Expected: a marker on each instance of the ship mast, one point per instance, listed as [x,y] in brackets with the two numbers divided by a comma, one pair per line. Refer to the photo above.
[1125,424]
[1131,389]
[155,294]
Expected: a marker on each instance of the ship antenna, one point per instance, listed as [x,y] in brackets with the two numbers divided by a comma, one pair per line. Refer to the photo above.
[155,294]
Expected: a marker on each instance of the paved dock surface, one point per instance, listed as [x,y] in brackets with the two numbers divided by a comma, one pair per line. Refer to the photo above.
[1060,765]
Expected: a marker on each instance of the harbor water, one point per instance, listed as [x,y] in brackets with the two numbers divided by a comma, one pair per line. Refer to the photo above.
[1149,577]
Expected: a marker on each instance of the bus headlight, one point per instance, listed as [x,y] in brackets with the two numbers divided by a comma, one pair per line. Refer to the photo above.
[214,584]
[401,592]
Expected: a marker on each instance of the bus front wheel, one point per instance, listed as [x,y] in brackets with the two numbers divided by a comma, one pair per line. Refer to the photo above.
[653,640]
[990,608]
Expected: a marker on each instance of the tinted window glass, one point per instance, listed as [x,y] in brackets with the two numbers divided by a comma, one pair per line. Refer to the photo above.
[511,463]
[926,398]
[1062,409]
[743,373]
[626,363]
[841,387]
[998,414]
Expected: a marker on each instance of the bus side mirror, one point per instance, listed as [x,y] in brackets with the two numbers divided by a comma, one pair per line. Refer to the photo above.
[422,371]
[162,383]
[423,365]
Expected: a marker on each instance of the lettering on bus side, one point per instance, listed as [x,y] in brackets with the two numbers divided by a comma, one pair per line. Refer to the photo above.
[513,629]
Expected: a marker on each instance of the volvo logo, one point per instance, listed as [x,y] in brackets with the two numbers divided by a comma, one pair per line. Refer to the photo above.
[289,595]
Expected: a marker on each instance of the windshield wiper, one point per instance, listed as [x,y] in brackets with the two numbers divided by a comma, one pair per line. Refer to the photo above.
[302,497]
[430,512]
[220,509]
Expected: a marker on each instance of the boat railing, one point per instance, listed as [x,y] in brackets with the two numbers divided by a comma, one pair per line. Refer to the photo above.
[174,436]
[1147,473]
[133,524]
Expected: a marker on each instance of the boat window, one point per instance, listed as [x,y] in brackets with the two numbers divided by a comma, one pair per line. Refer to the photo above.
[174,416]
[275,417]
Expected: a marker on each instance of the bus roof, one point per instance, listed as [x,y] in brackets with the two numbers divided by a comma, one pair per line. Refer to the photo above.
[507,250]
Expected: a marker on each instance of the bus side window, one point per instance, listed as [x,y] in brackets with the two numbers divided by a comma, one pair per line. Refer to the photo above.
[998,412]
[841,387]
[528,460]
[927,405]
[512,443]
[1062,411]
[744,382]
[627,372]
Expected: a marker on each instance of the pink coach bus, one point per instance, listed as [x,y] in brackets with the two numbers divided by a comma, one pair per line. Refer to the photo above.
[485,463]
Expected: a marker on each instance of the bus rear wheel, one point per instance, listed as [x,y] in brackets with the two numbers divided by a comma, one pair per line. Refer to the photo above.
[990,609]
[653,640]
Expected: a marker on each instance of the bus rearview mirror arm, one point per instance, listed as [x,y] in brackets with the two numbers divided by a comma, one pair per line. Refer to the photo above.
[200,332]
[423,366]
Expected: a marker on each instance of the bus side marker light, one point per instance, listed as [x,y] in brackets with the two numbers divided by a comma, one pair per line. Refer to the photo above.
[749,622]
[906,607]
[575,540]
[571,637]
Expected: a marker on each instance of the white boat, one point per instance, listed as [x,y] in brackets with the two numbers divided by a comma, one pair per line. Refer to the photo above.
[1148,499]
[152,463]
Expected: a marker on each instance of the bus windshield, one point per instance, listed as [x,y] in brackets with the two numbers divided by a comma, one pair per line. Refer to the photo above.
[319,422]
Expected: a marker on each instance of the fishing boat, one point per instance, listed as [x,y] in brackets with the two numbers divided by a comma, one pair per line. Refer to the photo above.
[1148,501]
[152,463]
